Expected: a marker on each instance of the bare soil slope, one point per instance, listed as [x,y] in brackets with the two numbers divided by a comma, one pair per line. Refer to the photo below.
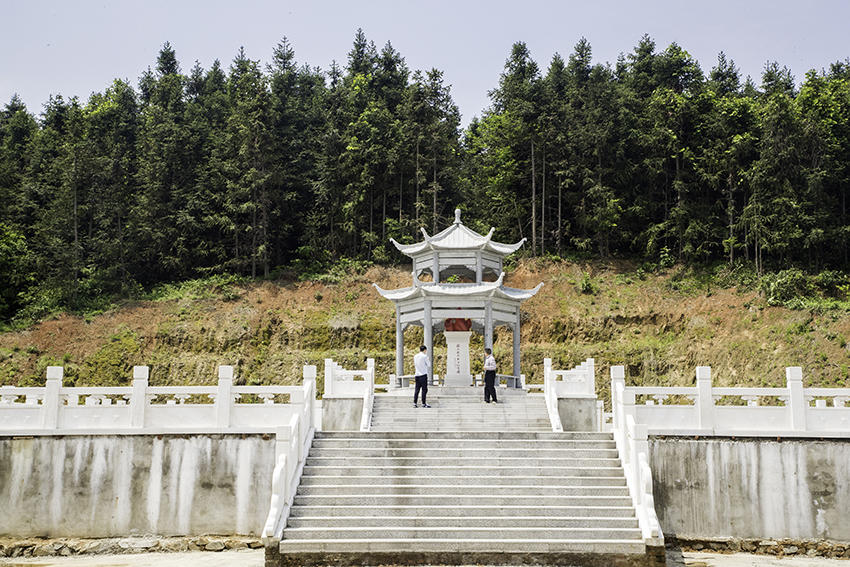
[661,328]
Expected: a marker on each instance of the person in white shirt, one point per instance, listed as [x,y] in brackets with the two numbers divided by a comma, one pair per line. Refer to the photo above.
[489,376]
[422,365]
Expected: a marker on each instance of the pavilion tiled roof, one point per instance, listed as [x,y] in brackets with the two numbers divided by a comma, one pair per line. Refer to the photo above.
[458,237]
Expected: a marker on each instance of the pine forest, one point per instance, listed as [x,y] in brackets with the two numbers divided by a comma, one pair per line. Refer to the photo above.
[252,170]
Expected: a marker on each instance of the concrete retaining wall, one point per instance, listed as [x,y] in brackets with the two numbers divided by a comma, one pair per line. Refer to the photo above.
[752,488]
[342,414]
[110,485]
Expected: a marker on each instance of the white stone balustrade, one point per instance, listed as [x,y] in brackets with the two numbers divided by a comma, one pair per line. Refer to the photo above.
[576,383]
[792,411]
[141,408]
[293,443]
[633,446]
[342,383]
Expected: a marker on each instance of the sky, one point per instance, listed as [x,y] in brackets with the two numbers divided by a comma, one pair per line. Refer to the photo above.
[77,48]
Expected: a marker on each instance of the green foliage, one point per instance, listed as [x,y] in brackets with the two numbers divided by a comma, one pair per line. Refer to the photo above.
[334,272]
[245,170]
[112,364]
[586,285]
[212,287]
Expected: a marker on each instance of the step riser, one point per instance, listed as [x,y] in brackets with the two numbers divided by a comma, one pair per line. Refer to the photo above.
[493,435]
[447,453]
[460,480]
[482,490]
[455,511]
[458,443]
[390,522]
[493,548]
[453,470]
[436,500]
[477,462]
[472,533]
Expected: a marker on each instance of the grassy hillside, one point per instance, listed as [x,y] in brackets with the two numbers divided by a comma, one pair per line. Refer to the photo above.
[660,325]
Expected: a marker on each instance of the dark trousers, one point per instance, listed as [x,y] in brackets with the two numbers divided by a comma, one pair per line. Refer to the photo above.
[490,385]
[421,384]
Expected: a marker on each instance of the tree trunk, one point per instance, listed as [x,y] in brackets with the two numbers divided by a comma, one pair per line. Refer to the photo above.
[384,217]
[543,207]
[560,226]
[731,211]
[533,204]
[416,203]
[434,210]
[254,234]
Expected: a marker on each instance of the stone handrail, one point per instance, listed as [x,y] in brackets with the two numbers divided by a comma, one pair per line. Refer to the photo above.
[576,382]
[632,444]
[551,396]
[368,395]
[700,409]
[291,448]
[141,408]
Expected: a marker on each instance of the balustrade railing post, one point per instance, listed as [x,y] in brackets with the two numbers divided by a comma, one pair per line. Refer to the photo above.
[705,399]
[329,376]
[370,368]
[796,397]
[138,398]
[591,376]
[224,396]
[618,377]
[51,404]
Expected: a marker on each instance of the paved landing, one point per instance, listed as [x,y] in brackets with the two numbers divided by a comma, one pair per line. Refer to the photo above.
[254,558]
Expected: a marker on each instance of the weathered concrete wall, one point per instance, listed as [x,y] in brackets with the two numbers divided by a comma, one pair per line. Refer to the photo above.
[102,486]
[342,414]
[577,414]
[752,488]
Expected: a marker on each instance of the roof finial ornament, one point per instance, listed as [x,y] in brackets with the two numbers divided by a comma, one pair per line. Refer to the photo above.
[457,216]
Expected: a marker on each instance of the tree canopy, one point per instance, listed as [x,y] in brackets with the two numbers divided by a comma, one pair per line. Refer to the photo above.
[244,169]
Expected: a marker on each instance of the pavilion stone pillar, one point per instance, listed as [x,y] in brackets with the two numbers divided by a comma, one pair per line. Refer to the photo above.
[429,333]
[399,343]
[516,371]
[488,325]
[479,268]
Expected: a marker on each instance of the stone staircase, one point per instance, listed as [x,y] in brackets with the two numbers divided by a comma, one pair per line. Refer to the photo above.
[461,409]
[462,497]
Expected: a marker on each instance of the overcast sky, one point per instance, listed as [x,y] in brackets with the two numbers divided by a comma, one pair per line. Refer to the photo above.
[78,47]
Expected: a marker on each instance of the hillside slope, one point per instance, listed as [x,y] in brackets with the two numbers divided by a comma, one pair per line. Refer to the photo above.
[661,327]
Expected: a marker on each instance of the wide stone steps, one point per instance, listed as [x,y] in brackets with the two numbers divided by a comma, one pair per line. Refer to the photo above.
[461,497]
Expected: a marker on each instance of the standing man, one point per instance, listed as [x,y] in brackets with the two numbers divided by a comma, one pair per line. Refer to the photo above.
[489,377]
[422,366]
